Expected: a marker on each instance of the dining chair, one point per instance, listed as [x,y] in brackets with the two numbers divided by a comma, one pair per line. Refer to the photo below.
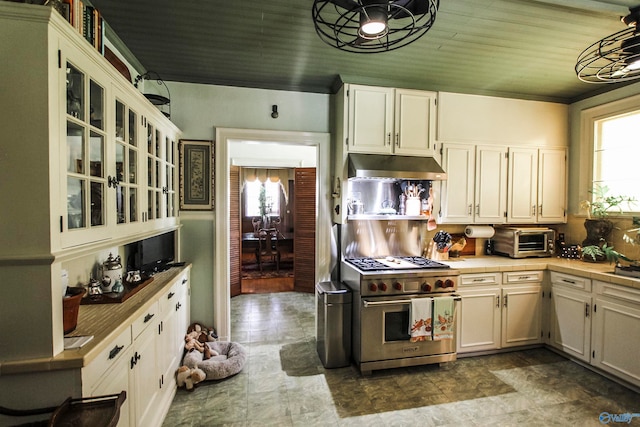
[255,221]
[268,247]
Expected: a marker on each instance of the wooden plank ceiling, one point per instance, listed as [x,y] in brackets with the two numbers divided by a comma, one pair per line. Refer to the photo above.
[515,48]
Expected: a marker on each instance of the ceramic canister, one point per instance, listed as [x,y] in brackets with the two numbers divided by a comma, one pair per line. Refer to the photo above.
[111,274]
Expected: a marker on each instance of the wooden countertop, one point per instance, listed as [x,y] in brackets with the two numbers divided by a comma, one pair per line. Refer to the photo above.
[104,321]
[487,264]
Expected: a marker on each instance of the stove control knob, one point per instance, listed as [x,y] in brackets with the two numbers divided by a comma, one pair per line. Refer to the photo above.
[373,287]
[439,283]
[397,286]
[426,287]
[382,286]
[448,283]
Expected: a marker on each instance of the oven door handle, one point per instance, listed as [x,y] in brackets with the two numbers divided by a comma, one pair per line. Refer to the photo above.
[399,301]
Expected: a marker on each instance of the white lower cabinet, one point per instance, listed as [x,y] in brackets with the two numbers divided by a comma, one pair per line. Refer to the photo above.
[143,358]
[499,311]
[616,331]
[570,320]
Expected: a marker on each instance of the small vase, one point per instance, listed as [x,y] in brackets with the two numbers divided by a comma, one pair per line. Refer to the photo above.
[598,231]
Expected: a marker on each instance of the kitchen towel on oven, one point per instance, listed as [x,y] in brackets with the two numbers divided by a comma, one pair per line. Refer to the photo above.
[420,319]
[443,316]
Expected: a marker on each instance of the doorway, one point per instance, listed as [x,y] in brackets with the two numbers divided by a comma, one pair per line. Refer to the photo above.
[266,212]
[227,141]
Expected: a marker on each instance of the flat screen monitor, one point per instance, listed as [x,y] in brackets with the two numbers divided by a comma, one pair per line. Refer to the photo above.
[153,254]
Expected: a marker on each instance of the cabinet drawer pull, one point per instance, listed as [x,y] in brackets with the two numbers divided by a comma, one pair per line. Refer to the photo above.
[470,209]
[482,279]
[569,281]
[184,281]
[115,350]
[148,317]
[178,305]
[586,309]
[397,140]
[171,294]
[389,138]
[524,277]
[505,300]
[498,301]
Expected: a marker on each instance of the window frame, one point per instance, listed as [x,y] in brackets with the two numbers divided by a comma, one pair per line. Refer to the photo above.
[588,126]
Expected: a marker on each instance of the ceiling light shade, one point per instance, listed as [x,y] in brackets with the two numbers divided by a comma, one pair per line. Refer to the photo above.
[371,26]
[373,23]
[615,58]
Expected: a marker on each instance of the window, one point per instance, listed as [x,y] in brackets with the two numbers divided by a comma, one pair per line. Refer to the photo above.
[270,192]
[616,150]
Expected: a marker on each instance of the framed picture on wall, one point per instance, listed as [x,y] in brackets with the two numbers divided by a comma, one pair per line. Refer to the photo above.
[196,174]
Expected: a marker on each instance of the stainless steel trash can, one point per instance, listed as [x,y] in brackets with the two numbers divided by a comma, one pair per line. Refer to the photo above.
[334,324]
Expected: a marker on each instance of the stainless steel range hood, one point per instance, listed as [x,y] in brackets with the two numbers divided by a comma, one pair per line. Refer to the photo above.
[395,167]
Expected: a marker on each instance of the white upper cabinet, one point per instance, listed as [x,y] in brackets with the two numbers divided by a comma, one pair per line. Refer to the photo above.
[415,121]
[85,138]
[552,185]
[475,190]
[384,120]
[537,185]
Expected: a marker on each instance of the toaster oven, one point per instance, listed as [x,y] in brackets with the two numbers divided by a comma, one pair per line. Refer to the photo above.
[518,242]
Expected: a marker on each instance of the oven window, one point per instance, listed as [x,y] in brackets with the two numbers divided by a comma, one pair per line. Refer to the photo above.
[532,242]
[396,326]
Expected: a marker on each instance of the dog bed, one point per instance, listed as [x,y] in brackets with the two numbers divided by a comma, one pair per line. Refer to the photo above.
[229,361]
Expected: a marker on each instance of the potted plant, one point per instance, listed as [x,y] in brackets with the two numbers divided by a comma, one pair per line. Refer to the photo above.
[597,225]
[597,253]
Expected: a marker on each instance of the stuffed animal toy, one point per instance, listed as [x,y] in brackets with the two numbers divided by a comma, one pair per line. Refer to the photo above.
[197,376]
[182,375]
[193,342]
[188,378]
[208,334]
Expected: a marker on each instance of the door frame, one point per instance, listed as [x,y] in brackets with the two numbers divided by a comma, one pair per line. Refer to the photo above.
[224,138]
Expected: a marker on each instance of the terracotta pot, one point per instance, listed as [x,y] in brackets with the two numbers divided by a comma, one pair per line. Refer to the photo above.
[598,231]
[71,306]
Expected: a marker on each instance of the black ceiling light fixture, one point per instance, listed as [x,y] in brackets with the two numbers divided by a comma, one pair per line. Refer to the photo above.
[615,58]
[371,26]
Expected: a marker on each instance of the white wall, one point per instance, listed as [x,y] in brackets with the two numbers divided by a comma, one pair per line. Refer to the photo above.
[197,110]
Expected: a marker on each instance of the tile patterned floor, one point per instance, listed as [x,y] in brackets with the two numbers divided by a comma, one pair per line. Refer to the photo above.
[285,384]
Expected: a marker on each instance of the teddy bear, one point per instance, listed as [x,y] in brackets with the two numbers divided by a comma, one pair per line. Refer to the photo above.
[188,378]
[207,334]
[193,342]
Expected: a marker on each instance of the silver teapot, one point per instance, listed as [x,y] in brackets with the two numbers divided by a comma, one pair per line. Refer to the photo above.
[111,274]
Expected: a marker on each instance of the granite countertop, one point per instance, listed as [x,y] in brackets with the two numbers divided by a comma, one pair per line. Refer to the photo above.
[487,264]
[104,321]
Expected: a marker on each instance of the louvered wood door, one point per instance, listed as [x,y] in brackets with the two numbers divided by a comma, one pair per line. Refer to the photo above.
[304,230]
[234,231]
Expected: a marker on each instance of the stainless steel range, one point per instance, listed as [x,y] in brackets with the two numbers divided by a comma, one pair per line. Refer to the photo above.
[383,290]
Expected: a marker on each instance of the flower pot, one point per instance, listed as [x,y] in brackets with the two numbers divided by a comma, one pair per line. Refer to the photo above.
[70,307]
[598,231]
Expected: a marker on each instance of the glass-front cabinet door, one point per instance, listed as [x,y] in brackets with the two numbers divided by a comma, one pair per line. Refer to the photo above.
[161,176]
[84,215]
[127,168]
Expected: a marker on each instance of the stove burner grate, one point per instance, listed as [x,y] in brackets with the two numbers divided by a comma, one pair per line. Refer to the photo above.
[371,264]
